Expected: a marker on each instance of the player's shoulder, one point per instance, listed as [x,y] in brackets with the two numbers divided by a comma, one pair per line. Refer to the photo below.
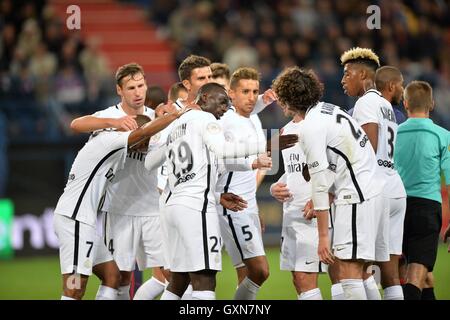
[149,112]
[111,111]
[370,97]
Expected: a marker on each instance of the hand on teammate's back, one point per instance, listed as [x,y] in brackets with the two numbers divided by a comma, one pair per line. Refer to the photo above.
[232,202]
[308,211]
[264,161]
[280,191]
[126,123]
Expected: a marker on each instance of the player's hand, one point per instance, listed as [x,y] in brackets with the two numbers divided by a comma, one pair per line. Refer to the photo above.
[308,211]
[126,123]
[280,192]
[324,251]
[232,202]
[264,161]
[269,96]
[287,141]
[162,108]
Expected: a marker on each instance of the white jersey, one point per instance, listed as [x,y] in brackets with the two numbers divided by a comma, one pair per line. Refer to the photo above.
[372,107]
[195,141]
[237,128]
[95,165]
[294,161]
[134,190]
[331,139]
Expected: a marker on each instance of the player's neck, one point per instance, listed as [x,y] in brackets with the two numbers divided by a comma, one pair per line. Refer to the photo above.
[131,111]
[423,115]
[242,113]
[297,118]
[367,85]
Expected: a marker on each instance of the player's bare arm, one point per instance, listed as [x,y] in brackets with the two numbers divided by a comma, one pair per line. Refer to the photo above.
[371,130]
[324,250]
[264,161]
[91,123]
[153,127]
[280,191]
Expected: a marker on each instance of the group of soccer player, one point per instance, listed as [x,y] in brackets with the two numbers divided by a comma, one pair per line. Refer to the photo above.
[175,183]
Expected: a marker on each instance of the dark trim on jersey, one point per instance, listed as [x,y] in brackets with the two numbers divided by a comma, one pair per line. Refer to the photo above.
[104,231]
[320,266]
[331,219]
[179,105]
[354,236]
[117,107]
[373,91]
[76,245]
[225,189]
[168,197]
[352,174]
[235,238]
[88,182]
[205,207]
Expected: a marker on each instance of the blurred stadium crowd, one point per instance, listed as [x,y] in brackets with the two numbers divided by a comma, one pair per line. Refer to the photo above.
[49,74]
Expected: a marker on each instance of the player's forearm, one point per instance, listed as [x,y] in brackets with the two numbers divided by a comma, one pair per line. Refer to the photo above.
[152,128]
[371,130]
[91,123]
[155,158]
[322,222]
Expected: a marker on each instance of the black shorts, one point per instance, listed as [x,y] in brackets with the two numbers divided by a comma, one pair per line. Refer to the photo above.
[423,221]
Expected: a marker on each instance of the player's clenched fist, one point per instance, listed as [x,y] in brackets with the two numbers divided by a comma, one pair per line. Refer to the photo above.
[126,123]
[264,161]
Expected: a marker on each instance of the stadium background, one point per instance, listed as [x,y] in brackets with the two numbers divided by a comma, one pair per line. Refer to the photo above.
[50,74]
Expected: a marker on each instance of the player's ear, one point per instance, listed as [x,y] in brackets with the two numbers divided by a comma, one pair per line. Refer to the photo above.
[186,84]
[432,105]
[118,90]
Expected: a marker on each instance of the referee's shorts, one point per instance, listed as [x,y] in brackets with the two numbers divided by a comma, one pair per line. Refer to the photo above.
[423,221]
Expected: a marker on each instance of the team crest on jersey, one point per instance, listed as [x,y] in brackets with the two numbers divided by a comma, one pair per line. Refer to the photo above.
[213,128]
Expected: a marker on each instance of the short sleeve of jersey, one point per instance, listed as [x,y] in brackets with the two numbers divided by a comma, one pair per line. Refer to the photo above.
[366,110]
[212,131]
[111,112]
[445,159]
[314,144]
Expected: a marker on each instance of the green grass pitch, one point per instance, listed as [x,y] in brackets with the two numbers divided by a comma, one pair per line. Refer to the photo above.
[39,278]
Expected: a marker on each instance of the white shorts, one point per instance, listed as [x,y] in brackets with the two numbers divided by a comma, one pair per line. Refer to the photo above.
[134,239]
[80,247]
[241,233]
[299,243]
[192,239]
[361,231]
[397,209]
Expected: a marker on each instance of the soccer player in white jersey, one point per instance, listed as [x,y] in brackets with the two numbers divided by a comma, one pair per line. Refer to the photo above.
[241,231]
[332,140]
[376,116]
[96,164]
[299,236]
[131,212]
[191,222]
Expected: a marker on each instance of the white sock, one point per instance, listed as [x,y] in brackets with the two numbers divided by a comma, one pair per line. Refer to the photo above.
[354,289]
[337,293]
[371,287]
[247,290]
[123,293]
[167,295]
[313,294]
[187,295]
[393,293]
[203,295]
[67,298]
[149,290]
[106,293]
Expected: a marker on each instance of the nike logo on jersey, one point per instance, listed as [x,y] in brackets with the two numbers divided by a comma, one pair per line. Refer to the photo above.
[309,262]
[340,248]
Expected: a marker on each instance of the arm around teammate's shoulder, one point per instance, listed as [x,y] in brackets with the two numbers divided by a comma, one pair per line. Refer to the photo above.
[91,123]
